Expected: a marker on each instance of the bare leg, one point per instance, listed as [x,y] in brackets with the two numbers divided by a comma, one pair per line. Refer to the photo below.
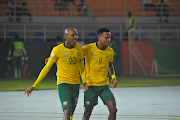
[111,104]
[67,113]
[87,113]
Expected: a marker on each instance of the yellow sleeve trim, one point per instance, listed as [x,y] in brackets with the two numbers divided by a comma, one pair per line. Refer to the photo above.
[82,71]
[113,76]
[43,73]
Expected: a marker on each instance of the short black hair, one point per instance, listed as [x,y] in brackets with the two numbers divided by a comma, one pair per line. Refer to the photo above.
[16,38]
[101,30]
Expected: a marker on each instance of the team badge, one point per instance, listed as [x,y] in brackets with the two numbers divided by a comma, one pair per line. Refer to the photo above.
[87,103]
[107,56]
[77,53]
[64,54]
[94,53]
[65,103]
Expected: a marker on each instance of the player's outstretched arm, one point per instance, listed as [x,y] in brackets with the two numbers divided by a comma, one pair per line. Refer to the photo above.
[112,73]
[41,76]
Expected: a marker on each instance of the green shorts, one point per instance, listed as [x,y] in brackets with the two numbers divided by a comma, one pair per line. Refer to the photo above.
[68,94]
[91,95]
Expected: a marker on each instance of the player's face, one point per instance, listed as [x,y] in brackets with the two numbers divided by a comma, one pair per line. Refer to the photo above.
[105,39]
[72,37]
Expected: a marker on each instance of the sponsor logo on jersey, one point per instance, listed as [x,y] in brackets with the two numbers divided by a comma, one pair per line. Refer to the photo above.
[65,103]
[64,54]
[94,53]
[61,80]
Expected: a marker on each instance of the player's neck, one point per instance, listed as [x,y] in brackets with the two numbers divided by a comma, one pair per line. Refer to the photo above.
[68,46]
[101,47]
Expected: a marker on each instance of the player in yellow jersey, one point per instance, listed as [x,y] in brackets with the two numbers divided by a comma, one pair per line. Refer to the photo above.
[98,62]
[69,58]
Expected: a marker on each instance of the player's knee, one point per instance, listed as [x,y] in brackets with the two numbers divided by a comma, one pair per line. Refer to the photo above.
[71,111]
[87,114]
[113,111]
[68,111]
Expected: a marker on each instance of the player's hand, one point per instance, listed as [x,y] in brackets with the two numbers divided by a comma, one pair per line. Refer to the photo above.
[114,83]
[46,60]
[85,86]
[28,91]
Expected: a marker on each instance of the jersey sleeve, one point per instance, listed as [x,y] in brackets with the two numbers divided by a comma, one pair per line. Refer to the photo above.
[85,48]
[53,56]
[81,53]
[112,55]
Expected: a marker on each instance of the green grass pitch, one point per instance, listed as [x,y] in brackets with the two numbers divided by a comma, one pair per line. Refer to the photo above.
[12,84]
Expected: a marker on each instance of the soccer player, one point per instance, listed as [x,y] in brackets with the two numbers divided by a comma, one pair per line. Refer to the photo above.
[98,59]
[69,58]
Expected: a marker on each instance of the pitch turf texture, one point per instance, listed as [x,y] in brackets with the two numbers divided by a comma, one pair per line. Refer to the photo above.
[9,84]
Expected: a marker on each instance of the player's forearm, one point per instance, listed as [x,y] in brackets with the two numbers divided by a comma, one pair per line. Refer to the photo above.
[83,76]
[43,73]
[111,69]
[82,71]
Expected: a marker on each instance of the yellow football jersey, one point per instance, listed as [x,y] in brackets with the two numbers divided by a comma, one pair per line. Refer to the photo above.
[67,62]
[97,63]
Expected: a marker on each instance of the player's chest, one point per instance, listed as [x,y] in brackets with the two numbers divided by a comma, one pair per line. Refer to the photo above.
[100,57]
[69,55]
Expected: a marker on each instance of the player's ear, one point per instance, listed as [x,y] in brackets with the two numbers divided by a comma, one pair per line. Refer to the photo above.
[66,37]
[99,37]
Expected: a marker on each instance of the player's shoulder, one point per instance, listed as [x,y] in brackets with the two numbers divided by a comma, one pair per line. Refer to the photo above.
[58,47]
[85,46]
[93,44]
[88,46]
[79,45]
[109,48]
